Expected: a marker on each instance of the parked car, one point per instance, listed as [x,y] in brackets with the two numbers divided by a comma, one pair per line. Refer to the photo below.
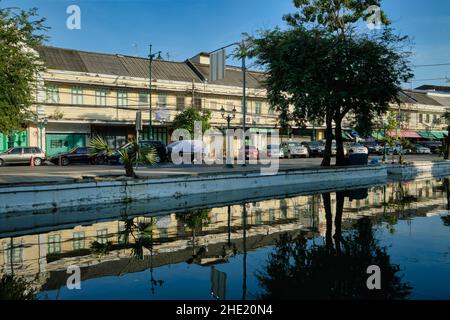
[161,151]
[294,149]
[374,148]
[274,150]
[421,149]
[21,155]
[434,146]
[358,149]
[180,147]
[250,153]
[315,148]
[79,155]
[397,149]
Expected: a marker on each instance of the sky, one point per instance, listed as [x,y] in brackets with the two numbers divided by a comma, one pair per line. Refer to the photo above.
[183,28]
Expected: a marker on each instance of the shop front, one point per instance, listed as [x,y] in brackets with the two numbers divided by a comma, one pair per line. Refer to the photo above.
[15,139]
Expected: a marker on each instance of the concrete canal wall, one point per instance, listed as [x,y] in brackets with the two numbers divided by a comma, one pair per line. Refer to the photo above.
[52,197]
[422,169]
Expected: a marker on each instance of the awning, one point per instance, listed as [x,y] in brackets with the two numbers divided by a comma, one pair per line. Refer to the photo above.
[378,135]
[403,133]
[439,134]
[426,135]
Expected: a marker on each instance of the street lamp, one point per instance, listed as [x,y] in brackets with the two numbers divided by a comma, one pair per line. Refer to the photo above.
[228,117]
[151,56]
[42,123]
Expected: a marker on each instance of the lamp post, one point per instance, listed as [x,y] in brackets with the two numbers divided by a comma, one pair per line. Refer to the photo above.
[42,123]
[230,116]
[151,56]
[385,140]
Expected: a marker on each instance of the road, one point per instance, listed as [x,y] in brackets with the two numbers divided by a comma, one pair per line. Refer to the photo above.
[51,173]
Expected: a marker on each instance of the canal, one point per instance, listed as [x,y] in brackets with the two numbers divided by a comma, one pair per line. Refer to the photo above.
[309,246]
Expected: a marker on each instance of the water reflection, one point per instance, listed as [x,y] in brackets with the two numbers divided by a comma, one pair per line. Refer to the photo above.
[316,246]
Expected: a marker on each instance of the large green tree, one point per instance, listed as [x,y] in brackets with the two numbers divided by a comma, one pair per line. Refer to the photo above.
[20,31]
[321,69]
[187,118]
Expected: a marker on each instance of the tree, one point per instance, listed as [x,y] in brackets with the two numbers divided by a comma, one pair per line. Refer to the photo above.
[446,147]
[187,118]
[20,31]
[321,69]
[298,270]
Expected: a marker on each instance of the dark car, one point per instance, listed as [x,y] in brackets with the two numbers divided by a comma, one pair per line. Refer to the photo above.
[315,148]
[79,155]
[374,148]
[161,151]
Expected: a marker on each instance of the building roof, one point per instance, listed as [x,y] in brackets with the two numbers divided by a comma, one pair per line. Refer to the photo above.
[233,76]
[428,87]
[411,96]
[114,64]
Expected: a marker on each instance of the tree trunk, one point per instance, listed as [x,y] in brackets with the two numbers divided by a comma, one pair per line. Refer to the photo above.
[340,157]
[329,222]
[340,198]
[447,145]
[326,162]
[129,170]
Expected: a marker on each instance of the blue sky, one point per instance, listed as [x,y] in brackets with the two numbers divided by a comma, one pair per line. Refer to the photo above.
[185,27]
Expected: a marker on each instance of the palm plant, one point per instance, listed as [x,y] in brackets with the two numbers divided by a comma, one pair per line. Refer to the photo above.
[130,156]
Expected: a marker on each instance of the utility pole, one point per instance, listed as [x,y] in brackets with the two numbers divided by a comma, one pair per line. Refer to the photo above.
[151,56]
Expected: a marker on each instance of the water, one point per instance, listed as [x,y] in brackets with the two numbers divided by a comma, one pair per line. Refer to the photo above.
[302,247]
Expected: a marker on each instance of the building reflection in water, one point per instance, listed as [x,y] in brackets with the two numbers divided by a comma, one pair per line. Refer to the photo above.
[209,237]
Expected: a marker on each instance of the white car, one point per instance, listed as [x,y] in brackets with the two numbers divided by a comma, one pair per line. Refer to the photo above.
[294,149]
[186,147]
[422,150]
[358,149]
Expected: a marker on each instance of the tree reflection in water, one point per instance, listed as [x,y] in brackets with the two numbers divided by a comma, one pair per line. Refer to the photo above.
[298,270]
[16,288]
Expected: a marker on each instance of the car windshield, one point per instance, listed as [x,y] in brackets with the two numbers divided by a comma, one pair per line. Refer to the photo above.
[294,144]
[273,146]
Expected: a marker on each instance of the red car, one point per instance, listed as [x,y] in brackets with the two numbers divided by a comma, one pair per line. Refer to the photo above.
[251,153]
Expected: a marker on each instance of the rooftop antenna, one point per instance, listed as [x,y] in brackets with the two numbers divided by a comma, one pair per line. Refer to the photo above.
[168,56]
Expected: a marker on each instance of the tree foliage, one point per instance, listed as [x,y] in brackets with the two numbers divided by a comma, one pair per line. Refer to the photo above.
[320,69]
[20,31]
[187,118]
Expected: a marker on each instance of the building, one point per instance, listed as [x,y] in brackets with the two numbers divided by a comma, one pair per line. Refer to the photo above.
[83,94]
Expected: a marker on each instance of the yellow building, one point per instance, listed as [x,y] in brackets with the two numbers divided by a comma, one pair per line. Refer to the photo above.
[83,94]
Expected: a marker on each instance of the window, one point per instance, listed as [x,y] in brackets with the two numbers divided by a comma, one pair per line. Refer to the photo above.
[257,107]
[13,253]
[180,103]
[78,240]
[213,105]
[198,103]
[271,110]
[16,151]
[77,95]
[271,215]
[143,99]
[51,94]
[122,99]
[55,144]
[162,101]
[54,243]
[427,118]
[420,118]
[102,236]
[100,97]
[434,118]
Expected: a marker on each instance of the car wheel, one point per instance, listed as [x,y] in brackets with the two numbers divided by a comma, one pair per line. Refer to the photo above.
[65,161]
[289,155]
[37,162]
[2,163]
[100,161]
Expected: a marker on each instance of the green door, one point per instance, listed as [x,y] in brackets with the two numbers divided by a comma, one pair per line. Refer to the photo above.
[62,142]
[3,142]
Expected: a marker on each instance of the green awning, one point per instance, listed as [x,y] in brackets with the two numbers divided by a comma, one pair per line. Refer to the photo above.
[438,134]
[426,135]
[378,135]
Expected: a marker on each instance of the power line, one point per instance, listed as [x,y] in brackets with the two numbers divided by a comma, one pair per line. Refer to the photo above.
[431,65]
